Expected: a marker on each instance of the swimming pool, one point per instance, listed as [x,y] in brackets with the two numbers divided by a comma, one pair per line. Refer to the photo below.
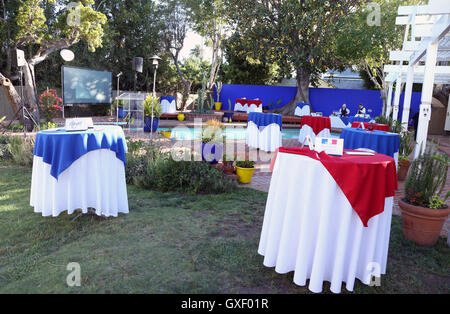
[185,133]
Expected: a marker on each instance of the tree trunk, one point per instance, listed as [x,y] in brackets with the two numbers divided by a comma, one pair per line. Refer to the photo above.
[303,79]
[30,90]
[11,94]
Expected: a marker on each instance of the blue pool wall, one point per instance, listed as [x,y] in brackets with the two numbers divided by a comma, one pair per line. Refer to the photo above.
[325,100]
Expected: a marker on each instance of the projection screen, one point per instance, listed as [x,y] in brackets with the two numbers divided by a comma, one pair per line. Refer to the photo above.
[86,86]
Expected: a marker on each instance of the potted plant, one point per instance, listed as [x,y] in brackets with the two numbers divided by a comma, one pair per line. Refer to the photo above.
[244,170]
[228,167]
[217,104]
[151,107]
[212,139]
[423,210]
[406,148]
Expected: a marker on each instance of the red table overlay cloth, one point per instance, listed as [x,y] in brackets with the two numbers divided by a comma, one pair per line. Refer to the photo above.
[317,123]
[365,180]
[242,101]
[254,102]
[373,126]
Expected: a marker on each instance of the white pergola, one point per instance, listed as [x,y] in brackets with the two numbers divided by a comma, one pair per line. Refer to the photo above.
[426,50]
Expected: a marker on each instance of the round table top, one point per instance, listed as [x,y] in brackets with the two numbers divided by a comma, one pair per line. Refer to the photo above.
[380,141]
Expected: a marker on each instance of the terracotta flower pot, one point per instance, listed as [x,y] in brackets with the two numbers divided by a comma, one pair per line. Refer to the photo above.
[403,166]
[228,167]
[422,225]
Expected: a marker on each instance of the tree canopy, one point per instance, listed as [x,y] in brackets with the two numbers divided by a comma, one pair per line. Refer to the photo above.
[299,32]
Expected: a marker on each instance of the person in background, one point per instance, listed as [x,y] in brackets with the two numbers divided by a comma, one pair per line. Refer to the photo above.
[344,111]
[415,121]
[361,111]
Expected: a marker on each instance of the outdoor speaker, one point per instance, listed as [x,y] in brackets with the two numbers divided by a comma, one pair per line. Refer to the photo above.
[138,64]
[18,57]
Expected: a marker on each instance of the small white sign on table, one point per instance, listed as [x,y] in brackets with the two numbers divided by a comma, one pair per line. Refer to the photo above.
[331,146]
[78,124]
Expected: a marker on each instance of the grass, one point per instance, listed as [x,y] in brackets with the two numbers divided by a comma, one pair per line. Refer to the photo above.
[171,243]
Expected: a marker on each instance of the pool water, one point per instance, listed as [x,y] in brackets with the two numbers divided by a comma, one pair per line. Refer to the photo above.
[184,133]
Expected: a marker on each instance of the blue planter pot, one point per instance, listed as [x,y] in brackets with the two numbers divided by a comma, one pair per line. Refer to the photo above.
[122,113]
[148,122]
[212,152]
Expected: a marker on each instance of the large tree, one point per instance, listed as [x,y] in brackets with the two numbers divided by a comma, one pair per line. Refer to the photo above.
[301,32]
[209,20]
[174,27]
[243,66]
[366,37]
[42,37]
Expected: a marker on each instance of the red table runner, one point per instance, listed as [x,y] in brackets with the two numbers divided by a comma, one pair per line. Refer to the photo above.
[365,180]
[371,126]
[317,123]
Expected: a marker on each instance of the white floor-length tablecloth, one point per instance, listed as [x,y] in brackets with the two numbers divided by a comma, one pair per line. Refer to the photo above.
[168,106]
[305,111]
[311,228]
[240,106]
[307,130]
[95,180]
[254,108]
[268,139]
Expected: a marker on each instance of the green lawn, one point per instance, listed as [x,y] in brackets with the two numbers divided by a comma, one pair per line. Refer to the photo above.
[171,243]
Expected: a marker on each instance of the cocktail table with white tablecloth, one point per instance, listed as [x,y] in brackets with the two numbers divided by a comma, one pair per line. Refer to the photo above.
[168,104]
[314,126]
[248,105]
[264,131]
[79,170]
[328,218]
[302,109]
[379,141]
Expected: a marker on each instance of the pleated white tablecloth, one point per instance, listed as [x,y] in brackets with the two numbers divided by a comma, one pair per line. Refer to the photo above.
[305,111]
[168,106]
[95,180]
[268,139]
[307,130]
[311,228]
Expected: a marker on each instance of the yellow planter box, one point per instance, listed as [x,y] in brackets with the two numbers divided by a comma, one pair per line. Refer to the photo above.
[218,105]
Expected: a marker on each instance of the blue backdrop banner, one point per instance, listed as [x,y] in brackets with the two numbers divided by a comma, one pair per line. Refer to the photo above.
[325,100]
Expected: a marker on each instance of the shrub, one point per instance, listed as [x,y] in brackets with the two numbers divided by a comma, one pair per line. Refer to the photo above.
[4,149]
[406,144]
[21,150]
[426,178]
[394,126]
[150,168]
[213,132]
[50,104]
[150,103]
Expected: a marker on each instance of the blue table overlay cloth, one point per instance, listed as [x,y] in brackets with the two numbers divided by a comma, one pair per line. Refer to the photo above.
[302,104]
[382,142]
[264,119]
[60,148]
[168,98]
